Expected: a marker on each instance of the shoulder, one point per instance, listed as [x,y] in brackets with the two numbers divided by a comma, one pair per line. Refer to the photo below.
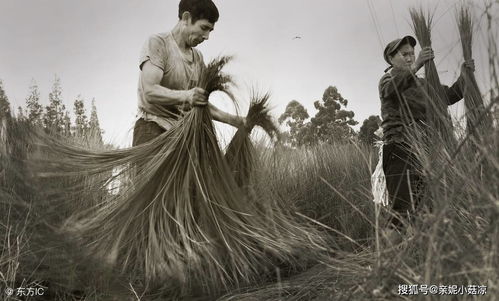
[157,40]
[385,79]
[155,50]
[386,76]
[154,45]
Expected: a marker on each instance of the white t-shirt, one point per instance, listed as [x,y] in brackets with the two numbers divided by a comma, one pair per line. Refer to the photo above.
[179,73]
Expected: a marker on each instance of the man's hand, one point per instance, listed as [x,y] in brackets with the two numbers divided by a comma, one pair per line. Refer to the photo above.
[468,65]
[196,97]
[424,56]
[243,122]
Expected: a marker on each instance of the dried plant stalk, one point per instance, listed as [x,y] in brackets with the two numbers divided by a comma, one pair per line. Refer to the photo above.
[473,101]
[180,218]
[240,153]
[437,114]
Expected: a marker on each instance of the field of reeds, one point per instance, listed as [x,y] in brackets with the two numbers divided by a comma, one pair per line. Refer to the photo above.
[450,252]
[456,244]
[329,187]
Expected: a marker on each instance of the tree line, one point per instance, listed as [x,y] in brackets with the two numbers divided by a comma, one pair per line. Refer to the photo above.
[55,118]
[332,123]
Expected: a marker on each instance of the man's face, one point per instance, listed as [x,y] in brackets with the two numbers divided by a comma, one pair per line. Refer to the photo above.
[404,57]
[198,32]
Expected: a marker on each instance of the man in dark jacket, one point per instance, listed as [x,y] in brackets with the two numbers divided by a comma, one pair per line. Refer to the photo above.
[404,103]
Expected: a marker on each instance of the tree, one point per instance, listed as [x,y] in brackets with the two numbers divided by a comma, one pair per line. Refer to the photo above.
[67,124]
[81,123]
[54,112]
[34,109]
[21,113]
[4,103]
[369,126]
[95,132]
[332,123]
[294,117]
[4,124]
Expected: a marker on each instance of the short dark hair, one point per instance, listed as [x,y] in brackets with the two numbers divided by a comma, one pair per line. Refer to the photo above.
[199,9]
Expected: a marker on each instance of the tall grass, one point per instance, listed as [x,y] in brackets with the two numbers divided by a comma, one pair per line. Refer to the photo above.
[455,242]
[181,225]
[328,183]
[240,153]
[476,119]
[437,114]
[33,253]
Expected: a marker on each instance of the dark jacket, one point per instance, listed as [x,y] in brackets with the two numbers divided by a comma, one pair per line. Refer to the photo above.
[403,101]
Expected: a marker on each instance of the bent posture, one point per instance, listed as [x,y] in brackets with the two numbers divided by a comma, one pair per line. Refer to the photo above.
[170,68]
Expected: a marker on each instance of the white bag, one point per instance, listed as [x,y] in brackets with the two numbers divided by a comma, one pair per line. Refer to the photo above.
[378,180]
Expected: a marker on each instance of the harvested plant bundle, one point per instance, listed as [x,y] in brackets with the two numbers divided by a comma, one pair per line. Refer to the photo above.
[437,114]
[240,153]
[181,220]
[475,109]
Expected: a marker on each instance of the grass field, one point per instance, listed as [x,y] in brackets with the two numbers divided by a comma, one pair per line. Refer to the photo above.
[328,186]
[454,244]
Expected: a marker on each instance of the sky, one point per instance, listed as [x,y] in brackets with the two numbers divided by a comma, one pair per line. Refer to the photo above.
[94,46]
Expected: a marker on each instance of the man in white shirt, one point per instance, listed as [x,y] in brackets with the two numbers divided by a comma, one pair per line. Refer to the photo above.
[170,68]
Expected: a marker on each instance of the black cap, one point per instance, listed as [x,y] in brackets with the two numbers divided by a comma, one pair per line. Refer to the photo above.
[395,44]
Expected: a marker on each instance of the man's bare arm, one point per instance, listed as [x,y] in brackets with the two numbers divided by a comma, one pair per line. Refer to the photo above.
[225,117]
[157,94]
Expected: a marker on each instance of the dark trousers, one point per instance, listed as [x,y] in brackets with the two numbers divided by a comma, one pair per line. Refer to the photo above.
[145,131]
[404,182]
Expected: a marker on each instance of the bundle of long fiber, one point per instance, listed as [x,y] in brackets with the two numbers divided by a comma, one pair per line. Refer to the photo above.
[437,114]
[183,222]
[32,253]
[240,153]
[473,101]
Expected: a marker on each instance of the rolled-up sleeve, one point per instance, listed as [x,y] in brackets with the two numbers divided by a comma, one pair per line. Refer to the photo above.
[455,92]
[154,50]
